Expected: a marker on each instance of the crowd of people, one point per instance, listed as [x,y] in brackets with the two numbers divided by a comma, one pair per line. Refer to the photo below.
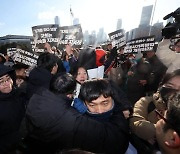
[62,105]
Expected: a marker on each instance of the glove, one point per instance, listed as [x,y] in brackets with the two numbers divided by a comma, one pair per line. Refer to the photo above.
[79,105]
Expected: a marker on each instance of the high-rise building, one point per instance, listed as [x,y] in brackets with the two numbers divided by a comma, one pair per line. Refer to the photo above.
[57,20]
[75,21]
[146,15]
[119,24]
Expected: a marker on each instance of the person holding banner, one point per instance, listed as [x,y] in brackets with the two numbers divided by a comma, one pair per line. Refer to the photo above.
[68,58]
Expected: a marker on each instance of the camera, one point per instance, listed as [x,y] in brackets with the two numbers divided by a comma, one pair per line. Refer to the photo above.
[172,28]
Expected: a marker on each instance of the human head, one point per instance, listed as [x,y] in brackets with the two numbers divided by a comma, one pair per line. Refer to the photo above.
[63,83]
[48,61]
[80,74]
[20,69]
[109,46]
[168,130]
[97,95]
[177,46]
[169,84]
[6,82]
[150,54]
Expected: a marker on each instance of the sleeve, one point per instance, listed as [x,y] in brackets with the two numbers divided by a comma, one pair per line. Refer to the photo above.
[166,55]
[139,123]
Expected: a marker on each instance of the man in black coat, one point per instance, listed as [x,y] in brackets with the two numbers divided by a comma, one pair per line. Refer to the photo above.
[41,75]
[12,109]
[54,125]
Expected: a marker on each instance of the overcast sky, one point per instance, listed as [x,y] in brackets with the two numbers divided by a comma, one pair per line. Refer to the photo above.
[18,16]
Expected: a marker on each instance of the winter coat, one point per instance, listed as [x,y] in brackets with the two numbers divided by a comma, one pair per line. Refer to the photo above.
[54,124]
[135,90]
[168,57]
[144,118]
[12,110]
[158,70]
[38,77]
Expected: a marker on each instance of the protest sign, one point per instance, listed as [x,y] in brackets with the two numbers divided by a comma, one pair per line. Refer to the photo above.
[11,52]
[45,34]
[118,38]
[25,57]
[142,44]
[70,34]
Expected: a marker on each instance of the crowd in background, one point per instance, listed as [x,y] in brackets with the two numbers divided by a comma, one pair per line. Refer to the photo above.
[61,104]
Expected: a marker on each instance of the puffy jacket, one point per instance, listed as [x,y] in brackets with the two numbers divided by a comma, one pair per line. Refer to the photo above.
[53,124]
[144,118]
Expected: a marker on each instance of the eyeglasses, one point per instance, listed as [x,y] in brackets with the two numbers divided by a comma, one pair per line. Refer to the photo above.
[3,81]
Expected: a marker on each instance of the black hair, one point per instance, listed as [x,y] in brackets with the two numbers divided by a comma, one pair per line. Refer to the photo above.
[47,60]
[169,76]
[18,66]
[92,89]
[74,70]
[173,112]
[63,83]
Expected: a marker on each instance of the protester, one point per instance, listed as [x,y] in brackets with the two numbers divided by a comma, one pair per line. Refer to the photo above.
[168,57]
[95,90]
[41,75]
[12,110]
[168,128]
[144,118]
[138,77]
[81,75]
[158,70]
[20,70]
[68,58]
[54,125]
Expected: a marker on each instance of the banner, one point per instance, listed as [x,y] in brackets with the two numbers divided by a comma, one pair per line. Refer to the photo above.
[25,57]
[118,38]
[44,34]
[70,34]
[11,52]
[142,44]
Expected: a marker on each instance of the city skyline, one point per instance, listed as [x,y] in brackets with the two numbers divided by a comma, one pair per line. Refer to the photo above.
[19,19]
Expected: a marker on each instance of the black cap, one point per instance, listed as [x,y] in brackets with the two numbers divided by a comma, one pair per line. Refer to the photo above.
[5,70]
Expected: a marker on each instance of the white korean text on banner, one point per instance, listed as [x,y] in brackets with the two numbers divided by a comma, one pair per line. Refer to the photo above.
[70,34]
[142,44]
[25,57]
[118,38]
[45,34]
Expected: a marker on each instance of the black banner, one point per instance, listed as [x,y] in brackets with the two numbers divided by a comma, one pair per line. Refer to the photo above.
[45,34]
[25,57]
[11,52]
[142,44]
[70,34]
[118,38]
